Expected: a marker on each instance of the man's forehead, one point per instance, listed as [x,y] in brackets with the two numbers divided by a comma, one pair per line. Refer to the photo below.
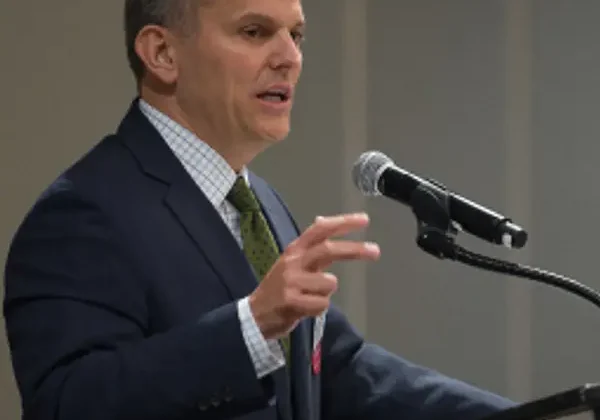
[275,9]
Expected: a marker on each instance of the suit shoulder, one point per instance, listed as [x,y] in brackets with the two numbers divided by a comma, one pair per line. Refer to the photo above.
[106,157]
[71,189]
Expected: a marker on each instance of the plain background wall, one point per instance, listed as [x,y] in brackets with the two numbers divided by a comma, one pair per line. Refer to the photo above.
[497,99]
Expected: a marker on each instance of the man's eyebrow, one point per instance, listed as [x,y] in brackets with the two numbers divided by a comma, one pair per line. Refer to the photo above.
[266,19]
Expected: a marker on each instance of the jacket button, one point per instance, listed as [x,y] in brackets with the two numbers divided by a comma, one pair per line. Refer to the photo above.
[202,407]
[215,401]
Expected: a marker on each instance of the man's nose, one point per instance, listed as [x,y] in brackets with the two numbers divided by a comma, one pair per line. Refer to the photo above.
[288,53]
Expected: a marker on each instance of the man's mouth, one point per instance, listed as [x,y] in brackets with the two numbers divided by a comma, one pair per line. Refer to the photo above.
[276,95]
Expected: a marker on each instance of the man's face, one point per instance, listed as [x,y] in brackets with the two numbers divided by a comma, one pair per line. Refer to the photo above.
[237,73]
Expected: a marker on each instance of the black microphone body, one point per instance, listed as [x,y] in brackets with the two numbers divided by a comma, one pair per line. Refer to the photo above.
[400,185]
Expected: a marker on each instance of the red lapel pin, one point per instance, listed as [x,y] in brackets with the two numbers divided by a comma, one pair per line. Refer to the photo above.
[316,359]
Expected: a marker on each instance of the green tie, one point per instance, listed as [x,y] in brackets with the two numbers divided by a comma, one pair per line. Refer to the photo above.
[259,245]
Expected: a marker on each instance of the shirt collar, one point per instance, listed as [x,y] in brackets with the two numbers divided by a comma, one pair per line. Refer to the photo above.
[210,171]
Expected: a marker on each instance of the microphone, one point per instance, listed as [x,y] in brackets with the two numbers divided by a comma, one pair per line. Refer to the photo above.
[376,174]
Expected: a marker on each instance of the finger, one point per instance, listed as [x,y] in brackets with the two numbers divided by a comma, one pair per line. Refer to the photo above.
[322,284]
[302,305]
[327,227]
[326,253]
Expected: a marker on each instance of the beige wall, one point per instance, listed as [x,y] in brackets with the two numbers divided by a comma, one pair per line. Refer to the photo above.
[506,93]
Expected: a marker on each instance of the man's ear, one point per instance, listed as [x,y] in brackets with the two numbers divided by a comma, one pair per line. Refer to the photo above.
[153,45]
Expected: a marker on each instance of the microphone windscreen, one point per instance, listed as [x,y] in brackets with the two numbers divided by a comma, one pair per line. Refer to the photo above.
[367,170]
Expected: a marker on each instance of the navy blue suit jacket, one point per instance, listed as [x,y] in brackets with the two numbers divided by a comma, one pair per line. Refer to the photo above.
[120,304]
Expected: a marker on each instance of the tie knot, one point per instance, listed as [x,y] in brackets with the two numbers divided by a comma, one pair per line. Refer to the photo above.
[242,197]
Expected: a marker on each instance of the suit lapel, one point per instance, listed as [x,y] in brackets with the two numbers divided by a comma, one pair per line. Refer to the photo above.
[188,204]
[206,228]
[285,232]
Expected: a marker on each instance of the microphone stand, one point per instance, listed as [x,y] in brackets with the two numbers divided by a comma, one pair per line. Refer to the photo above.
[435,236]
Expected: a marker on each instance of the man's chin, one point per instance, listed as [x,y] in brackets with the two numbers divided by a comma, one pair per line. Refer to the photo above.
[274,133]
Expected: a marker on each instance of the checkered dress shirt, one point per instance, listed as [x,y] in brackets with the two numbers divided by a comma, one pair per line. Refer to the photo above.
[215,177]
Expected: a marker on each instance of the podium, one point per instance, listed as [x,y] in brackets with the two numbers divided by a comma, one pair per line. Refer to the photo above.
[583,401]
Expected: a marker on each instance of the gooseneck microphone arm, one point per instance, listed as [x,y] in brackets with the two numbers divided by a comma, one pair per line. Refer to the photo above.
[442,214]
[435,235]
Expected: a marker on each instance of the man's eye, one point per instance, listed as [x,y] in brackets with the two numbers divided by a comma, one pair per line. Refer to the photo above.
[297,36]
[254,31]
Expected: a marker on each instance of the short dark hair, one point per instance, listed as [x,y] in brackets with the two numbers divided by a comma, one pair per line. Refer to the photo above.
[139,13]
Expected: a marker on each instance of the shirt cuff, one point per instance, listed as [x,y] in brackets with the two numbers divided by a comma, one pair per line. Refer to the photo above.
[267,355]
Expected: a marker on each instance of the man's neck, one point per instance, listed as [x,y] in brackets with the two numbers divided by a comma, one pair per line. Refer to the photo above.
[234,155]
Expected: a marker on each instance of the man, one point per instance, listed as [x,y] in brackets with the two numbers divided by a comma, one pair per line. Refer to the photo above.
[158,278]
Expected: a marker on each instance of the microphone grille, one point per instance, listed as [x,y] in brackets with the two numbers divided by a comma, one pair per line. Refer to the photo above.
[368,169]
